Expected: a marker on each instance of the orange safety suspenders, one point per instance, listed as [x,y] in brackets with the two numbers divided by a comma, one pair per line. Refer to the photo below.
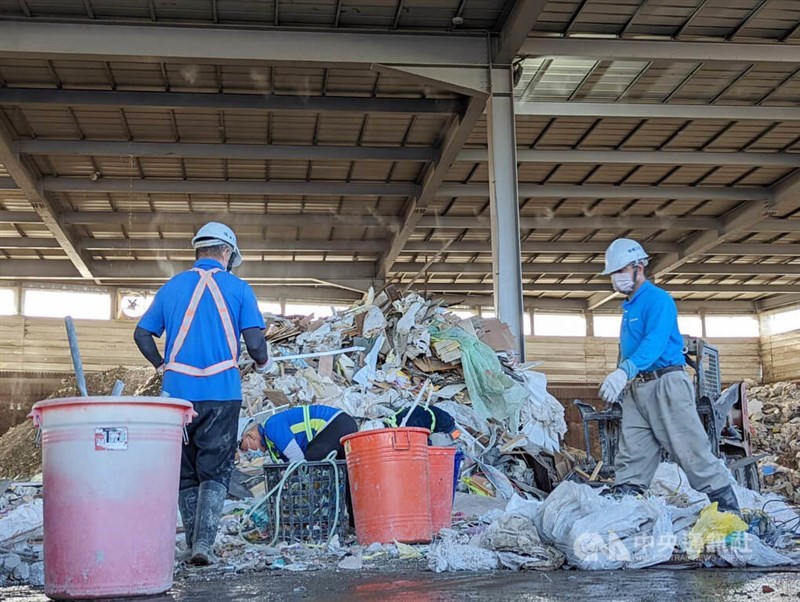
[206,282]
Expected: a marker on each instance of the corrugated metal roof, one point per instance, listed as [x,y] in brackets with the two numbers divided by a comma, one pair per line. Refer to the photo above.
[345,218]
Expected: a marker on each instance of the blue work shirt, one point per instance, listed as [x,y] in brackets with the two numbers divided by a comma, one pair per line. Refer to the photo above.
[289,425]
[206,344]
[649,336]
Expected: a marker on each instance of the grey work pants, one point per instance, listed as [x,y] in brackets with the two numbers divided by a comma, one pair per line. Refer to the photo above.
[662,413]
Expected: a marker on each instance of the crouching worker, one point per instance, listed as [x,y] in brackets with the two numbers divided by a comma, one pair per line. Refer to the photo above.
[301,433]
[444,431]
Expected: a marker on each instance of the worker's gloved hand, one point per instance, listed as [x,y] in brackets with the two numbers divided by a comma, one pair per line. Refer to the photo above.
[264,368]
[269,366]
[160,369]
[613,385]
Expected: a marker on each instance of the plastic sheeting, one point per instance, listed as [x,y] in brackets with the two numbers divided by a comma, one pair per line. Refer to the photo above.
[493,393]
[598,533]
[454,553]
[541,414]
[515,539]
[26,520]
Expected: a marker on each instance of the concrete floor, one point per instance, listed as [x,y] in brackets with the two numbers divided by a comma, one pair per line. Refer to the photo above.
[422,586]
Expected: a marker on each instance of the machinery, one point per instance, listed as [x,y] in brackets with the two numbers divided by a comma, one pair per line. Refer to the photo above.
[723,414]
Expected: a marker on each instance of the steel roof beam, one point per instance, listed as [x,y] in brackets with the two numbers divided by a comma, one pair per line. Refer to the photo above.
[374,246]
[386,153]
[223,45]
[238,187]
[543,269]
[225,101]
[779,301]
[603,191]
[598,248]
[259,245]
[530,288]
[586,223]
[517,25]
[9,243]
[164,218]
[30,184]
[643,157]
[160,218]
[661,50]
[458,131]
[125,270]
[744,218]
[226,151]
[655,111]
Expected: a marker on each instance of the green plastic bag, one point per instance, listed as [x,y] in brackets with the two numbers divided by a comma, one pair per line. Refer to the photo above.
[493,393]
[712,526]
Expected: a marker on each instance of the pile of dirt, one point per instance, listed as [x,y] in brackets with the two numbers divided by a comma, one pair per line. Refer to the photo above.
[21,456]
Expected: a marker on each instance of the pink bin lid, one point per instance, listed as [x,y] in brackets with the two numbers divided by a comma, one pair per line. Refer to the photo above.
[109,400]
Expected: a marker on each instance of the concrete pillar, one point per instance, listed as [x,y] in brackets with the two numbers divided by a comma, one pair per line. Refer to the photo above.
[504,205]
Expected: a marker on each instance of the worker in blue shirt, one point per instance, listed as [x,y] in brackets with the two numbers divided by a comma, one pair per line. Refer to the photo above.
[308,432]
[658,406]
[203,312]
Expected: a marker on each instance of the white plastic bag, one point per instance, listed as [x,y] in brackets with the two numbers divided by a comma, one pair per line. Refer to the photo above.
[453,553]
[26,520]
[598,533]
[527,508]
[745,549]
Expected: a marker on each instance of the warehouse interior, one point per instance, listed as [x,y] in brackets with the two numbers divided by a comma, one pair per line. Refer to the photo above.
[355,145]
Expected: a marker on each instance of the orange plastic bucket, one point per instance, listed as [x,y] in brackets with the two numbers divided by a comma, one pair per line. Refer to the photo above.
[388,474]
[441,466]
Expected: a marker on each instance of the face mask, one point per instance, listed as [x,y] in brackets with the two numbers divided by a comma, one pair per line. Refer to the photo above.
[622,282]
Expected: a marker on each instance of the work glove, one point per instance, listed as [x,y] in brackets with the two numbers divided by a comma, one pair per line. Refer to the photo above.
[160,369]
[613,385]
[264,368]
[267,366]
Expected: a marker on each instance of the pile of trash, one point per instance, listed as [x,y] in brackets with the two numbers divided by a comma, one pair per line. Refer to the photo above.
[579,526]
[402,346]
[21,522]
[775,418]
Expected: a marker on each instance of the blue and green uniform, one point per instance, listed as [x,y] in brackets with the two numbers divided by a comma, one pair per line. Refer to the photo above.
[288,433]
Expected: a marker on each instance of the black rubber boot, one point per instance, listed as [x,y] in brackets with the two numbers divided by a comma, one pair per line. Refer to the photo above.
[726,500]
[210,500]
[620,490]
[187,506]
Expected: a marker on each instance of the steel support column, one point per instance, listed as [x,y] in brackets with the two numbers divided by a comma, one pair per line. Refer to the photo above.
[504,205]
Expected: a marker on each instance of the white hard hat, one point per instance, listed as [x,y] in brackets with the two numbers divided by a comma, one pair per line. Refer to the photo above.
[214,233]
[244,426]
[622,252]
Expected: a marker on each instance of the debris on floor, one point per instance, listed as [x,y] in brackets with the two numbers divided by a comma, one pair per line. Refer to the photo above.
[522,500]
[21,522]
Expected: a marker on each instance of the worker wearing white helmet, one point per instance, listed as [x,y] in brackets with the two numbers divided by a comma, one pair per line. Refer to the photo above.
[203,312]
[658,400]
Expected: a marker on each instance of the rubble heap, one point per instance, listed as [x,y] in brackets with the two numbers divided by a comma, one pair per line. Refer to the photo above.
[511,424]
[775,419]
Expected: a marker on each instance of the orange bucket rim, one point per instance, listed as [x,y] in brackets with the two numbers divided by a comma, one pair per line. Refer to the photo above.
[402,429]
